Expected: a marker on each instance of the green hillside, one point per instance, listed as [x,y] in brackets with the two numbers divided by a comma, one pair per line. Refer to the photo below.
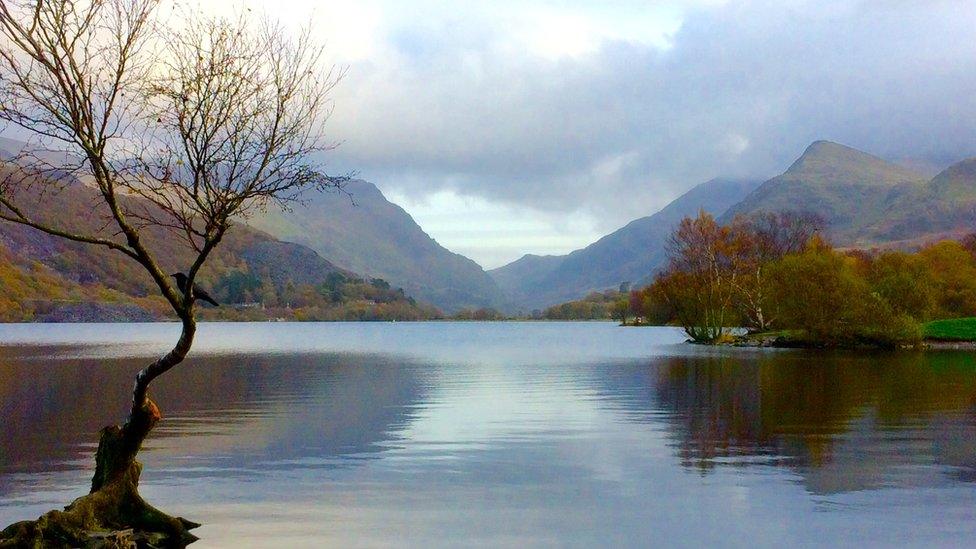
[946,206]
[951,329]
[868,202]
[851,189]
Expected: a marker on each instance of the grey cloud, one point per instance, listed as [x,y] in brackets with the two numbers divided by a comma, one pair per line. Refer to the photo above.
[743,90]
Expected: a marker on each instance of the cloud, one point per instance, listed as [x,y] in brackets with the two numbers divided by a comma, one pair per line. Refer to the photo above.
[600,112]
[494,233]
[574,117]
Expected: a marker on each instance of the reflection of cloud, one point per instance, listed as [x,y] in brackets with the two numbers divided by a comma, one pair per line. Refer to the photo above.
[225,416]
[525,434]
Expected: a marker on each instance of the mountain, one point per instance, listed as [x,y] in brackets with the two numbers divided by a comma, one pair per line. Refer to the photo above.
[366,233]
[629,254]
[77,207]
[869,202]
[527,271]
[944,207]
[851,189]
[49,278]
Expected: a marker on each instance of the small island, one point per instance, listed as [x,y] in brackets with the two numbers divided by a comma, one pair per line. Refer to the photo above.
[778,278]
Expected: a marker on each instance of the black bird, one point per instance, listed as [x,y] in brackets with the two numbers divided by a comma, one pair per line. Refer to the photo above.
[198,292]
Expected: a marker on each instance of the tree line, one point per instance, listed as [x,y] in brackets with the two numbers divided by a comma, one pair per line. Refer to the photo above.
[776,273]
[341,297]
[603,305]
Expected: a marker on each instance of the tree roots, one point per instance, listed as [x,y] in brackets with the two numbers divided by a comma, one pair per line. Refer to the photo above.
[113,515]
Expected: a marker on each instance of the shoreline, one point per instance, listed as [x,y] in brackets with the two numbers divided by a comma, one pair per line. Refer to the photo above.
[780,342]
[943,345]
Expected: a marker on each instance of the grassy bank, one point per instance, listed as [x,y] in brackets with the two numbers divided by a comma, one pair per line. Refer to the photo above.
[953,329]
[948,332]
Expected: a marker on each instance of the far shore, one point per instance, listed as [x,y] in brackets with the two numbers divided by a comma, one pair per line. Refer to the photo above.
[956,334]
[757,341]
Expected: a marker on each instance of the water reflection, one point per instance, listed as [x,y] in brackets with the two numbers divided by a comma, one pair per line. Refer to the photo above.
[527,434]
[842,422]
[225,416]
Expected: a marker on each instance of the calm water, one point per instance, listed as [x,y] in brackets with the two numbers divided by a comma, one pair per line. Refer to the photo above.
[501,434]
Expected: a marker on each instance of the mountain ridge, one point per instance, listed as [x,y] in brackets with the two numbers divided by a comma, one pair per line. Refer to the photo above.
[850,189]
[366,233]
[51,278]
[866,201]
[628,254]
[945,205]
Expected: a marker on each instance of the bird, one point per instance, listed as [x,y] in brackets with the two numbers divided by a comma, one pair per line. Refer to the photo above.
[198,292]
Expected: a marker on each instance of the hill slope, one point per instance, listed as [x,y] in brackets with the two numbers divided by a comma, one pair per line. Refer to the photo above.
[869,202]
[944,207]
[370,235]
[629,254]
[849,188]
[48,278]
[527,271]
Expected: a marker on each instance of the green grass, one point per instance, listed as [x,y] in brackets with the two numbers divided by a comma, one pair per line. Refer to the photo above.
[953,329]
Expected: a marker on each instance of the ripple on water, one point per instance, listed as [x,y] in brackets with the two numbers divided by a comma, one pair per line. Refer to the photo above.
[501,434]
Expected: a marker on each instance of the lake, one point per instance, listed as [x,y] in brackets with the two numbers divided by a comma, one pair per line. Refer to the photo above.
[501,434]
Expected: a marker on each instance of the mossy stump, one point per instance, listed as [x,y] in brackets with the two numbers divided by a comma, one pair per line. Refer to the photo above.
[113,514]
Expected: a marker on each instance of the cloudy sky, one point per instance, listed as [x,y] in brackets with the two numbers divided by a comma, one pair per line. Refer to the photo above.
[508,127]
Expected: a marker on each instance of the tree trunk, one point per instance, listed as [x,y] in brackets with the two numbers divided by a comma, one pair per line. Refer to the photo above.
[113,514]
[118,446]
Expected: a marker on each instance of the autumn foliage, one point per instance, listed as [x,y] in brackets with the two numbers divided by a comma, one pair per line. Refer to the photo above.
[775,272]
[716,276]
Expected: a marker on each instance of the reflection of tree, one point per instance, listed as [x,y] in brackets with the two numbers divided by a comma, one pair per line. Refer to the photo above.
[717,406]
[249,409]
[842,421]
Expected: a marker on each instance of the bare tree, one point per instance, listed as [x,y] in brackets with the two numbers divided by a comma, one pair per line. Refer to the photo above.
[185,129]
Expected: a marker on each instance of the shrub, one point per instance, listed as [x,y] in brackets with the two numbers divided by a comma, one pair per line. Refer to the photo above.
[820,292]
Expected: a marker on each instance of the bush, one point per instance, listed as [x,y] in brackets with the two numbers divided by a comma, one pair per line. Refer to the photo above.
[821,293]
[905,282]
[885,327]
[954,278]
